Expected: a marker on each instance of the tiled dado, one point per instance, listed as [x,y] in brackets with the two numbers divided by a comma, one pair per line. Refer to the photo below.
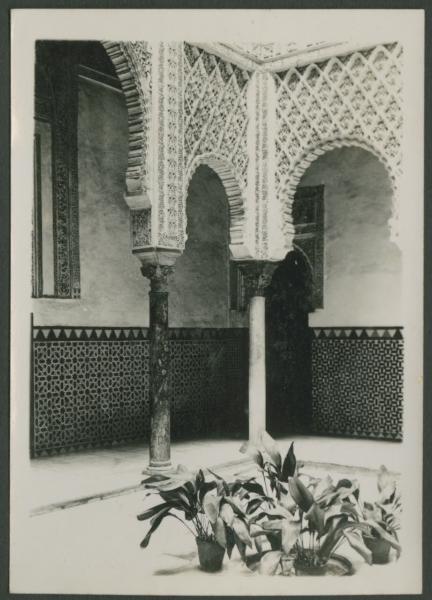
[90,386]
[357,381]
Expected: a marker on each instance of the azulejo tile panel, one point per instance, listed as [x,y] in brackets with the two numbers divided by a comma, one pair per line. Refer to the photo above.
[357,382]
[90,386]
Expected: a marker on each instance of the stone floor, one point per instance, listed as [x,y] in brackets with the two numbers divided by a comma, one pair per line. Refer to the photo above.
[65,478]
[93,547]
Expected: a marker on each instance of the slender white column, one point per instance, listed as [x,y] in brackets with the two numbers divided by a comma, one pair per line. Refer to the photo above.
[257,368]
[257,275]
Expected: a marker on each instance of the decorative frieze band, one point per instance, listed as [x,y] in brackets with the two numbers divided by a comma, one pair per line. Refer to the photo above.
[91,334]
[357,333]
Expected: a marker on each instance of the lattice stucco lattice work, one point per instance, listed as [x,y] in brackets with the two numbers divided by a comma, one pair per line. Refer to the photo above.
[215,110]
[346,100]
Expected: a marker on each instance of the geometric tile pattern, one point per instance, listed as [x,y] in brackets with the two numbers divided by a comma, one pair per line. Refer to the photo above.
[346,100]
[90,386]
[357,382]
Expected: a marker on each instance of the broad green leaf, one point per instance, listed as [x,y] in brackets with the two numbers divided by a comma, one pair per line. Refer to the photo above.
[289,464]
[270,562]
[273,525]
[315,516]
[384,534]
[211,507]
[227,513]
[219,530]
[152,511]
[300,493]
[290,534]
[356,542]
[155,522]
[242,532]
[271,447]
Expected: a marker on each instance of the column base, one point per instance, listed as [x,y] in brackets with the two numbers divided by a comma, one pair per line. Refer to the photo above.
[162,467]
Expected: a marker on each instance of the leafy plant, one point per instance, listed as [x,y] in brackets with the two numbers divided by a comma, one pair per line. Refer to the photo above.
[308,521]
[268,459]
[383,516]
[212,510]
[183,495]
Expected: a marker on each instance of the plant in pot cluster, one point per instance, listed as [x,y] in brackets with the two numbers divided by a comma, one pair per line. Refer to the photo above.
[308,521]
[383,519]
[210,509]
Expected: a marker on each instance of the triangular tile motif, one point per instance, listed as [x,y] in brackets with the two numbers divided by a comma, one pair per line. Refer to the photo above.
[386,334]
[332,333]
[364,335]
[398,334]
[322,334]
[46,332]
[374,334]
[392,332]
[40,335]
[337,332]
[359,332]
[352,334]
[77,333]
[135,333]
[342,334]
[98,333]
[117,333]
[57,333]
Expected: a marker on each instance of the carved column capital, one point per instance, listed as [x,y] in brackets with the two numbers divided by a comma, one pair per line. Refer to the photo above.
[257,276]
[158,276]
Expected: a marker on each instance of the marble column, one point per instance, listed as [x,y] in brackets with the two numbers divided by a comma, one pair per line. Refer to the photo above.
[160,435]
[257,277]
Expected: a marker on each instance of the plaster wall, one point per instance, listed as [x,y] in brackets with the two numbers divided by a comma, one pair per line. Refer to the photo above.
[362,267]
[113,291]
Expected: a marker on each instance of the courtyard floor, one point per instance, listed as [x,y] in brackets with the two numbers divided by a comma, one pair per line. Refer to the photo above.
[81,534]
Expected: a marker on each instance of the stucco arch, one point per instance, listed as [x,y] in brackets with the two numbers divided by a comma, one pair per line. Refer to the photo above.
[236,200]
[308,157]
[132,64]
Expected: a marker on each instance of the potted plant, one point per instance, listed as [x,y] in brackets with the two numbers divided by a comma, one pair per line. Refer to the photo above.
[303,533]
[183,496]
[211,509]
[383,519]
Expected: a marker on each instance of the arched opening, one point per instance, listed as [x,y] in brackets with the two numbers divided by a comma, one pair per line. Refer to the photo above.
[211,403]
[350,352]
[361,266]
[200,288]
[329,367]
[288,352]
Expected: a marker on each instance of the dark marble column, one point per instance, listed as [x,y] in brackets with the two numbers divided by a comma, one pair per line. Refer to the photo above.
[160,453]
[257,276]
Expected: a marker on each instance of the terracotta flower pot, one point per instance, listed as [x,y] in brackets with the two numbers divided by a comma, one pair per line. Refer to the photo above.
[210,555]
[336,565]
[380,550]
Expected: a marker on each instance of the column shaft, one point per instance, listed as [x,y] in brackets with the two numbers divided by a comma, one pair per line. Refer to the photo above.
[160,453]
[257,277]
[257,368]
[160,395]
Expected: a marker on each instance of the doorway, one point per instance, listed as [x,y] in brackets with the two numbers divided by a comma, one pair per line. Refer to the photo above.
[288,347]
